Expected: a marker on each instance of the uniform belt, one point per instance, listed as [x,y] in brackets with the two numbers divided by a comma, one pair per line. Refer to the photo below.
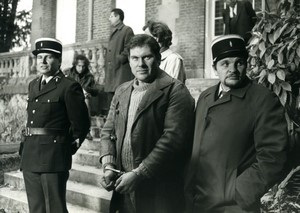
[43,131]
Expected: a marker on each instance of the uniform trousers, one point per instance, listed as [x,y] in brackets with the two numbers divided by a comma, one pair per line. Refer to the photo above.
[46,192]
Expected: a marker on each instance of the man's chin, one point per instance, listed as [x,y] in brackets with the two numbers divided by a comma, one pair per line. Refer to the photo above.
[233,83]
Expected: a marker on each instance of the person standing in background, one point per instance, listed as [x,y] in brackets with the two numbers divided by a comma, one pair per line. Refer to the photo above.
[57,124]
[117,69]
[171,62]
[239,18]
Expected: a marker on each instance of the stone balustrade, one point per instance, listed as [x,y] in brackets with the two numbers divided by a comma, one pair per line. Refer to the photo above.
[18,68]
[15,64]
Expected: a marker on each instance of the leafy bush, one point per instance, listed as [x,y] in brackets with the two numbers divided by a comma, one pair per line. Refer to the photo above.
[12,118]
[274,59]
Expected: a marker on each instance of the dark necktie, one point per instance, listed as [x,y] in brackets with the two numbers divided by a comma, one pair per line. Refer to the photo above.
[43,83]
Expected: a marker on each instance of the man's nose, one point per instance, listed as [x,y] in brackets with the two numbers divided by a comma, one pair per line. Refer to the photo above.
[45,60]
[232,67]
[141,62]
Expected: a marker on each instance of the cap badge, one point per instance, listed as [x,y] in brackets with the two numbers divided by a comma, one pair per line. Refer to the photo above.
[41,44]
[230,43]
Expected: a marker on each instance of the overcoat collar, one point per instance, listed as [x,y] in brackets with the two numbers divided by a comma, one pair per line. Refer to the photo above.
[116,28]
[51,85]
[210,96]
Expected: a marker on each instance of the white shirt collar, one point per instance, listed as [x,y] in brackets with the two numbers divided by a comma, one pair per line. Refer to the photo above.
[47,79]
[234,9]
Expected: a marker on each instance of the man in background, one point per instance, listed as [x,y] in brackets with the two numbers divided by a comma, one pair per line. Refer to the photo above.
[171,62]
[239,18]
[117,70]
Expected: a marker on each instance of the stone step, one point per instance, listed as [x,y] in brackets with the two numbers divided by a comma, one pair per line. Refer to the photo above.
[86,174]
[93,144]
[85,195]
[13,201]
[87,157]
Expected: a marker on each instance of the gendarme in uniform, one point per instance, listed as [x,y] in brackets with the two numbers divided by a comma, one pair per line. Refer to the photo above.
[57,124]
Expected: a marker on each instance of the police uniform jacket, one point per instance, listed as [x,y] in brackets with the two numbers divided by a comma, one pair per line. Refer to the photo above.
[239,149]
[59,105]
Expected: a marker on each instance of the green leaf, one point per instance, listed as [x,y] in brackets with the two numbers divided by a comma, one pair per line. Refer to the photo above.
[286,86]
[262,53]
[293,67]
[277,89]
[271,38]
[262,46]
[253,61]
[271,64]
[262,76]
[271,78]
[298,51]
[264,36]
[291,44]
[283,28]
[280,57]
[280,74]
[291,56]
[283,97]
[277,34]
[268,27]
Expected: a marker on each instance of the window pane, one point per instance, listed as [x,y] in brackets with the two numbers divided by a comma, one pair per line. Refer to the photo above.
[219,8]
[219,26]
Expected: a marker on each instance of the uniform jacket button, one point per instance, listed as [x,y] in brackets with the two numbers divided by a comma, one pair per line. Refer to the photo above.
[36,100]
[33,111]
[54,141]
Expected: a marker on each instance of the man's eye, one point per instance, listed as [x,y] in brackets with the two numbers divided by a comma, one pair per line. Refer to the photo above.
[240,63]
[224,64]
[147,58]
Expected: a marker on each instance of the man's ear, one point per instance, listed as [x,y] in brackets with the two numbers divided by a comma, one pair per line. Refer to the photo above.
[215,69]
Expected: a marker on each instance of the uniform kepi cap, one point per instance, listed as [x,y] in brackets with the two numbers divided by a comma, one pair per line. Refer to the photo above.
[47,45]
[228,46]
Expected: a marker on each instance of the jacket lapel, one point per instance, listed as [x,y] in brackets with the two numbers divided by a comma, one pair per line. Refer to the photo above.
[124,100]
[238,10]
[153,93]
[238,92]
[51,85]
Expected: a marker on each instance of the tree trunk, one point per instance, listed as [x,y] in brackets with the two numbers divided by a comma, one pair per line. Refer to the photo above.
[8,11]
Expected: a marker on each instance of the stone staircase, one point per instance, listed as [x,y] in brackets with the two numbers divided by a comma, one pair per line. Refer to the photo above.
[84,192]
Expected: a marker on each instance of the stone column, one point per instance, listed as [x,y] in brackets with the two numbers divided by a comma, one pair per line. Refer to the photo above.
[43,20]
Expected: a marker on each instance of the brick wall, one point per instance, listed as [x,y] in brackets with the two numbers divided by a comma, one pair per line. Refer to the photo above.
[152,9]
[82,15]
[100,26]
[189,29]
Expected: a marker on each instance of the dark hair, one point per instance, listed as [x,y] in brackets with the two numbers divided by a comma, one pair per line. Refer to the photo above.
[119,12]
[82,58]
[141,40]
[161,31]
